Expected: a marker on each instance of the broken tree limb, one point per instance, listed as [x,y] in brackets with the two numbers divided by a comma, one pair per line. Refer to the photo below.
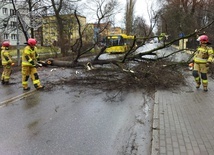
[61,63]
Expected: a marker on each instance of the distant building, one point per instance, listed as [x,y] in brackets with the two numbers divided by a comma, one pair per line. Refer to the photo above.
[117,30]
[48,33]
[99,32]
[8,23]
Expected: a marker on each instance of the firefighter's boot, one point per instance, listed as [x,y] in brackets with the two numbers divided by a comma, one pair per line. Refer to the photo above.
[6,82]
[26,88]
[2,81]
[205,88]
[198,84]
[40,87]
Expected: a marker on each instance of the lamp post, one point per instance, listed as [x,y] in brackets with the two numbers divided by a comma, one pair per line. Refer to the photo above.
[17,38]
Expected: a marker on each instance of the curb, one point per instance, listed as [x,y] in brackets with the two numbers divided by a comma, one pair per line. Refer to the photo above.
[155,127]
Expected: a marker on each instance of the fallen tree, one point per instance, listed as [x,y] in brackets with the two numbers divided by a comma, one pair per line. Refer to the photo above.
[129,71]
[131,55]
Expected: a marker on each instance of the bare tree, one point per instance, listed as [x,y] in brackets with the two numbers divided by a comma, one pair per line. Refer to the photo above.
[23,9]
[140,27]
[129,15]
[59,7]
[184,16]
[103,11]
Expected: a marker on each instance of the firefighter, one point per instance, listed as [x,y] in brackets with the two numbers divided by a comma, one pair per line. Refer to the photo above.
[29,65]
[6,62]
[202,59]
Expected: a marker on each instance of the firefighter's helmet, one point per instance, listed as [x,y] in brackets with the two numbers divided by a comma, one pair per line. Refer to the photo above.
[31,41]
[6,44]
[204,39]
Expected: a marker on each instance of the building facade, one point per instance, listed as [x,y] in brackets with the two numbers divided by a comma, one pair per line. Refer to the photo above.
[8,24]
[47,34]
[49,30]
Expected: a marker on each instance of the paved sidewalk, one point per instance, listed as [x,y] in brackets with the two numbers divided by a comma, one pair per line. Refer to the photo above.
[184,121]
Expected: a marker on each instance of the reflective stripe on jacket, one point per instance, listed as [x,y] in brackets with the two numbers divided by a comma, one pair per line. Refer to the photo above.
[5,57]
[29,56]
[203,55]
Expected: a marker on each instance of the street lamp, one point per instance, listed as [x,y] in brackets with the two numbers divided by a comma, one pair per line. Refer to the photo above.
[17,38]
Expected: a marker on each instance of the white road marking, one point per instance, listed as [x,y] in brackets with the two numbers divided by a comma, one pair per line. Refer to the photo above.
[16,98]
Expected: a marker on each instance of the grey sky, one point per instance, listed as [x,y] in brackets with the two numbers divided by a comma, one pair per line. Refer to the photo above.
[141,9]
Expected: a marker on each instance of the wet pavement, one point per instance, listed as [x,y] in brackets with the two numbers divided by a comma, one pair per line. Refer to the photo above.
[70,120]
[79,121]
[183,120]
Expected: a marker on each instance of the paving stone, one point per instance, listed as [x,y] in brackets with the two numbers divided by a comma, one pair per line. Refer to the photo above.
[185,119]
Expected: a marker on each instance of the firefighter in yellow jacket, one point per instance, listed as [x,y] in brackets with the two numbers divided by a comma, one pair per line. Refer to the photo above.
[202,59]
[6,62]
[29,65]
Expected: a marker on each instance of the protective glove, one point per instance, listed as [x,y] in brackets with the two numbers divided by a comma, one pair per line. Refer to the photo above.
[9,62]
[208,64]
[38,65]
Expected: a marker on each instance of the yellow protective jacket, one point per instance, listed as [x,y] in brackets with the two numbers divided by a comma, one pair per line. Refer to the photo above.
[6,58]
[29,56]
[203,55]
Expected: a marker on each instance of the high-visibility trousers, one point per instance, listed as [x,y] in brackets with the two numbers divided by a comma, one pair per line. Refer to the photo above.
[29,71]
[6,73]
[200,73]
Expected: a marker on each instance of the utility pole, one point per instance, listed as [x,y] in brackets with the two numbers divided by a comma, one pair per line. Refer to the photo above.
[17,38]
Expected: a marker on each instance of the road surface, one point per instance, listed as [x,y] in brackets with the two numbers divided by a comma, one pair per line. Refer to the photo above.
[71,120]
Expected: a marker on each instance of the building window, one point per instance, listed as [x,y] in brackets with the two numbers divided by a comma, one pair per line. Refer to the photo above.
[6,36]
[4,11]
[13,24]
[13,36]
[12,12]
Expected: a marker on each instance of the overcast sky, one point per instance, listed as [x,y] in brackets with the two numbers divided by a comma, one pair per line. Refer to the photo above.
[140,10]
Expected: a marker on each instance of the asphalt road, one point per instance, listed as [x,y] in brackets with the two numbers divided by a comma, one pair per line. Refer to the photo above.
[69,120]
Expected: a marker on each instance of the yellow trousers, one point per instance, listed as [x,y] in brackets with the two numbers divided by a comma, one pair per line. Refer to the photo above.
[28,71]
[200,73]
[6,73]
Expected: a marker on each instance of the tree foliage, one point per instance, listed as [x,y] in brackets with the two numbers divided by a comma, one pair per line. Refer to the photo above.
[104,10]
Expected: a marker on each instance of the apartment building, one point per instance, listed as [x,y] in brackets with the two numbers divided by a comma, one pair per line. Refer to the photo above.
[49,34]
[117,30]
[8,23]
